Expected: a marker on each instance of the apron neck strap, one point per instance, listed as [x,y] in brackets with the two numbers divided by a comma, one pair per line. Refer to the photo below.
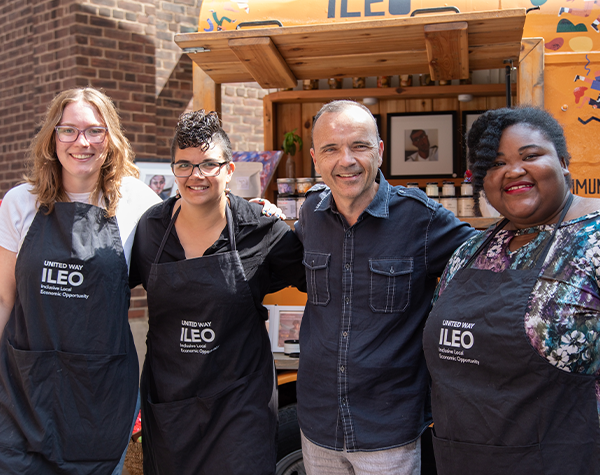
[166,235]
[505,221]
[228,217]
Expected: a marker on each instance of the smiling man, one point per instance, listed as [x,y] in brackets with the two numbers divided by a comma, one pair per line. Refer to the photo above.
[425,152]
[372,254]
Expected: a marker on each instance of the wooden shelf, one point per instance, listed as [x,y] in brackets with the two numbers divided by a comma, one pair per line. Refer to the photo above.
[387,93]
[277,57]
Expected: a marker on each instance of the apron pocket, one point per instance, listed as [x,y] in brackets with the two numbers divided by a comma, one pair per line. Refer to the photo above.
[223,433]
[78,405]
[474,459]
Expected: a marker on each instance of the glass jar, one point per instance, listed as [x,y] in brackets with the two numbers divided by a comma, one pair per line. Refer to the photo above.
[466,188]
[432,190]
[450,203]
[466,206]
[448,188]
[286,186]
[303,185]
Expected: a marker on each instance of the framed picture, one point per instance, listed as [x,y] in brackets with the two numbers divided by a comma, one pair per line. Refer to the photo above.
[468,117]
[421,144]
[159,177]
[284,324]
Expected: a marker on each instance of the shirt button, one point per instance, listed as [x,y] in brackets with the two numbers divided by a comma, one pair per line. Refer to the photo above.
[344,402]
[342,368]
[347,300]
[345,334]
[347,266]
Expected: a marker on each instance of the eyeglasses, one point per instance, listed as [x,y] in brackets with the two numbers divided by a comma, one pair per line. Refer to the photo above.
[68,134]
[186,169]
[417,138]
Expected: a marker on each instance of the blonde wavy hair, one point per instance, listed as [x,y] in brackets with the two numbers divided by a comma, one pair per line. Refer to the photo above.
[45,173]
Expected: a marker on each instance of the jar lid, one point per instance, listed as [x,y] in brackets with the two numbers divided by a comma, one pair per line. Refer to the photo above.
[286,180]
[432,183]
[304,180]
[465,196]
[413,183]
[448,182]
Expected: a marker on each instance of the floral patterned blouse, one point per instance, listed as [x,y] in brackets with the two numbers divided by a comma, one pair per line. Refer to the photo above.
[563,313]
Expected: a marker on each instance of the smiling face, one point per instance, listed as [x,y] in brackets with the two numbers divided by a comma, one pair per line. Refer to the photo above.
[347,155]
[81,161]
[526,183]
[198,189]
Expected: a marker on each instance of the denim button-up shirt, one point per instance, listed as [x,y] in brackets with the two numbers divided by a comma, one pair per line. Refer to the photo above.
[362,379]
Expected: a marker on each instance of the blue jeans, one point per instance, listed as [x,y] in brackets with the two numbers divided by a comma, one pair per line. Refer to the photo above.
[119,468]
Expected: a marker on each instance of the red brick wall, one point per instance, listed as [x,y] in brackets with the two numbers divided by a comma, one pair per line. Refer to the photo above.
[16,89]
[242,109]
[125,48]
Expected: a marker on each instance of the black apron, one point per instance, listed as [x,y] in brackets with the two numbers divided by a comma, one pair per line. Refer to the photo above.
[498,406]
[68,365]
[208,388]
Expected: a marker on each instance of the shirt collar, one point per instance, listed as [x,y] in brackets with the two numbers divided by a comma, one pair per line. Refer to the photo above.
[378,208]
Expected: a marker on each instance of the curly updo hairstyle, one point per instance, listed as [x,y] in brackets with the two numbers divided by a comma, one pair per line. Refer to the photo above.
[483,139]
[199,129]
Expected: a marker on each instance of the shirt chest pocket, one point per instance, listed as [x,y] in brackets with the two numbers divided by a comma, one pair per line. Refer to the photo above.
[390,284]
[317,277]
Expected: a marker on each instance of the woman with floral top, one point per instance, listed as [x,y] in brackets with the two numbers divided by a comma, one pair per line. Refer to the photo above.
[512,342]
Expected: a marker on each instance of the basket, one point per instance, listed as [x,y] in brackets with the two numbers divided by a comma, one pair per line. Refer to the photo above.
[134,457]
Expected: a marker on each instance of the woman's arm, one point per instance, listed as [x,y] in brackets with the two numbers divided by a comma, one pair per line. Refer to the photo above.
[8,285]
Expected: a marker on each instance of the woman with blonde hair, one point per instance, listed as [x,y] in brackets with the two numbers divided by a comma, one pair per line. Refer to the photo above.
[68,365]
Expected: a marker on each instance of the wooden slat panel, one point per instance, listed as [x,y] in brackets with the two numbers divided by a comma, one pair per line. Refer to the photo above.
[308,112]
[419,105]
[207,94]
[368,48]
[531,73]
[263,61]
[269,119]
[447,50]
[289,117]
[396,94]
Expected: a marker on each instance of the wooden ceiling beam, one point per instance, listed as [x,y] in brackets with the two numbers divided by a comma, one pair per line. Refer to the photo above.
[447,47]
[263,61]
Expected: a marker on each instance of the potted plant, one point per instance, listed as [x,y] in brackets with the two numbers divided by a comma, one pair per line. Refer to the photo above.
[290,141]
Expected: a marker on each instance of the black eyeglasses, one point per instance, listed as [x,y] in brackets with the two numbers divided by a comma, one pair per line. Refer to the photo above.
[68,134]
[186,169]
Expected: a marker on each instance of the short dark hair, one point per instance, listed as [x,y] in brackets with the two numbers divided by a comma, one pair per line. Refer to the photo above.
[483,139]
[339,106]
[415,131]
[199,129]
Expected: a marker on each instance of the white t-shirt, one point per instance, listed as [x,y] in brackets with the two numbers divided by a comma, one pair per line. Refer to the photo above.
[432,157]
[19,207]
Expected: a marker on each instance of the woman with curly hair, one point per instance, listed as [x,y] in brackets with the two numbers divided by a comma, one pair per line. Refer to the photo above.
[512,342]
[68,365]
[207,258]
